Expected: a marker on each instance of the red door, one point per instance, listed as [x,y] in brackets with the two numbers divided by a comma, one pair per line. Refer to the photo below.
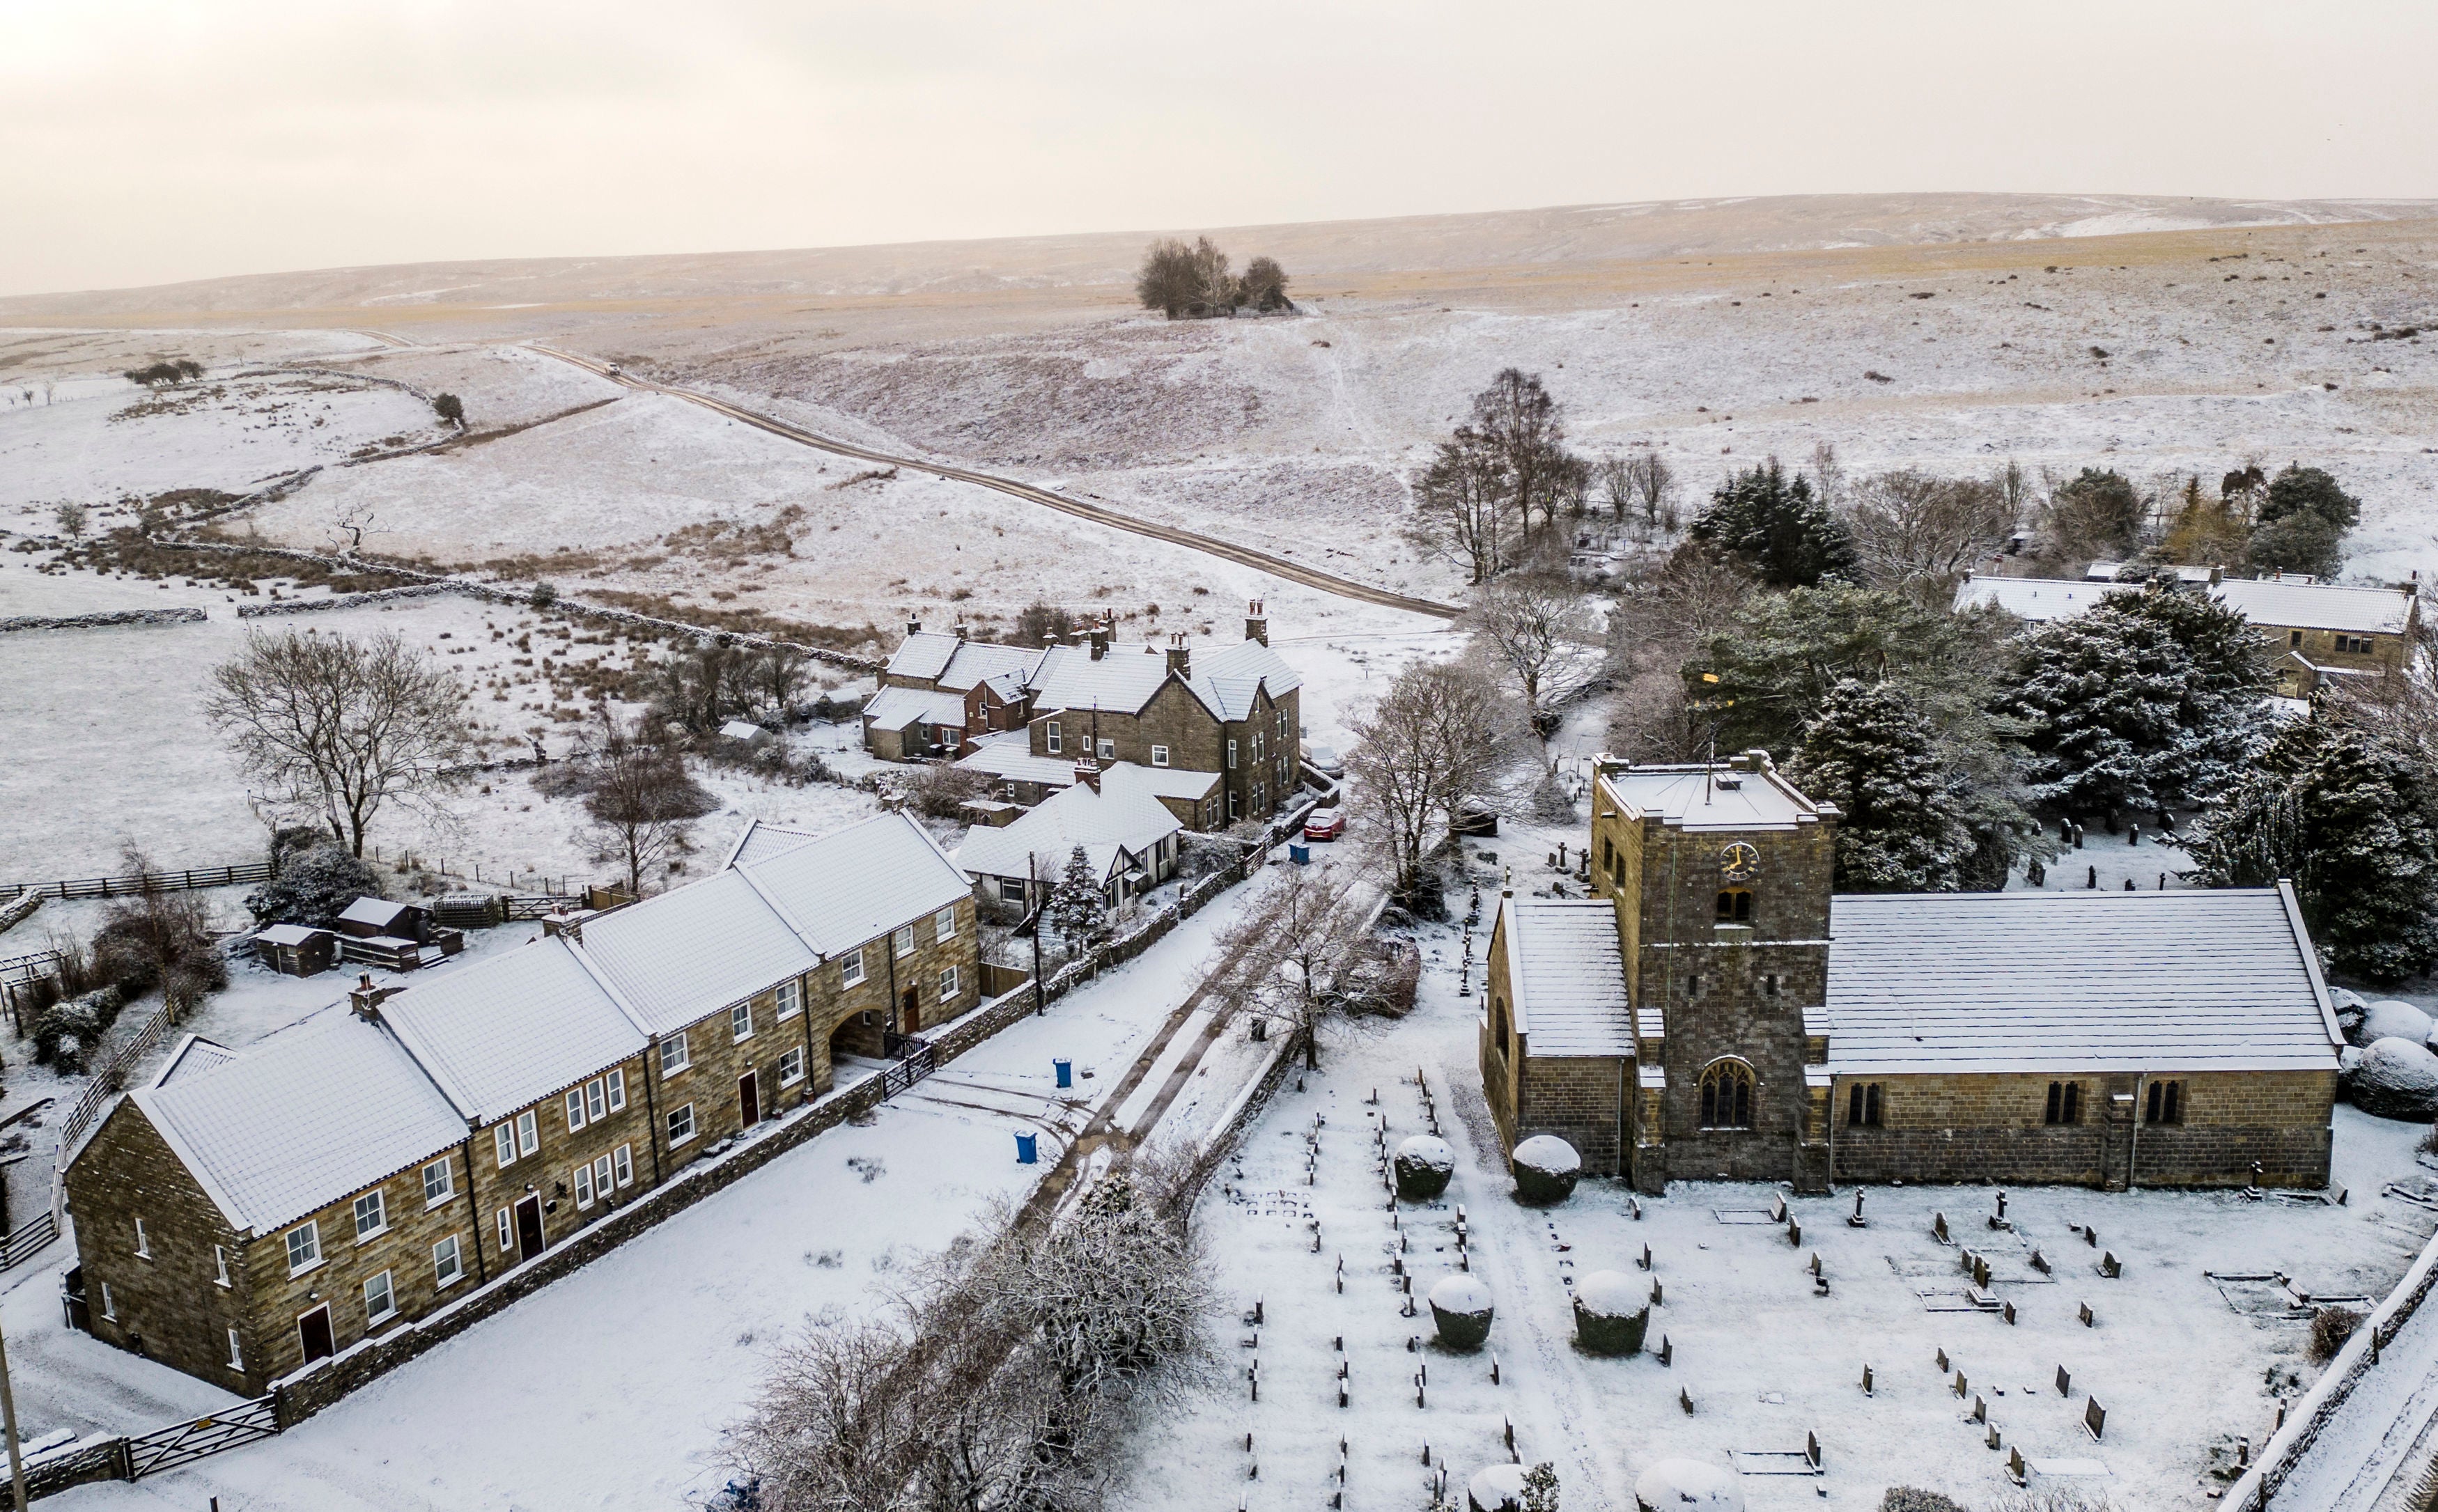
[749,1101]
[313,1333]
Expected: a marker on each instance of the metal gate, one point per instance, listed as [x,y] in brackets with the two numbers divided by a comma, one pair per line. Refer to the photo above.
[914,1062]
[166,1449]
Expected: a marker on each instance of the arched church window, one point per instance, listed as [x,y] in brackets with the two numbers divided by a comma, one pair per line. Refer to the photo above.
[1728,1095]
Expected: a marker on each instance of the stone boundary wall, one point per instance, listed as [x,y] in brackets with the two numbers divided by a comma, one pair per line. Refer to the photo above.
[101,618]
[2336,1383]
[343,601]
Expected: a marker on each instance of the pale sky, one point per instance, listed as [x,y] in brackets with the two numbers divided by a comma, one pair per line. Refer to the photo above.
[150,142]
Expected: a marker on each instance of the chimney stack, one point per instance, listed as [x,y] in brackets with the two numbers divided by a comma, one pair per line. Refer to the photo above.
[1087,772]
[2412,587]
[1257,625]
[1100,638]
[366,999]
[2217,575]
[914,625]
[1181,656]
[960,632]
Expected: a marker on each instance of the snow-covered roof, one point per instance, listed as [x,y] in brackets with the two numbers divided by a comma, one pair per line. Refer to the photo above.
[1011,757]
[194,1056]
[762,840]
[326,1107]
[742,729]
[1700,798]
[287,933]
[1565,973]
[1227,680]
[380,912]
[2316,606]
[897,708]
[951,662]
[2037,599]
[923,655]
[2106,573]
[504,1034]
[857,885]
[2200,980]
[694,950]
[1123,818]
[1121,682]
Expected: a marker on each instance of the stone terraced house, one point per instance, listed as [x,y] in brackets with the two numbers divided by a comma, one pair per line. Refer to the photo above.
[1714,1012]
[246,1214]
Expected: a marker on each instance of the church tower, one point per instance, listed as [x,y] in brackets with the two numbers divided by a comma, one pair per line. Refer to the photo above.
[1720,875]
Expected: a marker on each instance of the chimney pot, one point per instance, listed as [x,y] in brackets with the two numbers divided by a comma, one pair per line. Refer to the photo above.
[1181,656]
[1257,623]
[1087,772]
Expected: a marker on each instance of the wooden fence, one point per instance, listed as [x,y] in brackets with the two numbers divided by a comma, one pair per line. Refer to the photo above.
[143,882]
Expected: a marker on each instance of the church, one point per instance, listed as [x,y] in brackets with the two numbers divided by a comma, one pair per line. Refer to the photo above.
[1715,1012]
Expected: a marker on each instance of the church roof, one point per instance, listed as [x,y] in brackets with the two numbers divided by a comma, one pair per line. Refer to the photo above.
[2200,980]
[1566,975]
[1698,796]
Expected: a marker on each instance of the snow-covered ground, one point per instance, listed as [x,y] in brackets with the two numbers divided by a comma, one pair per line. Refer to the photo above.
[610,1388]
[2181,1366]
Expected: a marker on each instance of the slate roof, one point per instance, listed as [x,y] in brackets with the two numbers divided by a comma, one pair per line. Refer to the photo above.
[897,708]
[1697,798]
[978,661]
[2200,980]
[923,655]
[503,1033]
[1122,817]
[327,1106]
[855,885]
[1566,975]
[378,912]
[1121,682]
[194,1056]
[2037,599]
[1010,756]
[696,949]
[2316,606]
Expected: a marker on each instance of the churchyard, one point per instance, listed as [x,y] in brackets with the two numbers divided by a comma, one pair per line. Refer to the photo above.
[1333,1392]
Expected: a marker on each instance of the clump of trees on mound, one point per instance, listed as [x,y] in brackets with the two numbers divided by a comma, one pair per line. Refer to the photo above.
[166,374]
[1195,283]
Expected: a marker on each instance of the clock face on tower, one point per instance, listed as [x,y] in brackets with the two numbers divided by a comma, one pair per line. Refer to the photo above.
[1738,862]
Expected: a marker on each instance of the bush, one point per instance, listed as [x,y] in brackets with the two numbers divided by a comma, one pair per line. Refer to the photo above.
[1914,1499]
[66,1033]
[2330,1329]
[313,890]
[941,792]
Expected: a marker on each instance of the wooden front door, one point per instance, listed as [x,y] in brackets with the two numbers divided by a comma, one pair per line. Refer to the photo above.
[910,1012]
[529,1239]
[313,1333]
[748,1101]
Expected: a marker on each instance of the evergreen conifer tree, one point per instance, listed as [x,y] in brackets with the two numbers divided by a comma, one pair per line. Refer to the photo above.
[2347,817]
[1076,906]
[1872,754]
[1777,526]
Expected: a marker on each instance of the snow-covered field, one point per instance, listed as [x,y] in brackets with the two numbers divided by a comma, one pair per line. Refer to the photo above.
[2181,1367]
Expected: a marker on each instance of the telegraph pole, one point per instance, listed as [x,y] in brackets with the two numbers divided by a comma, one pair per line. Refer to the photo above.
[9,1421]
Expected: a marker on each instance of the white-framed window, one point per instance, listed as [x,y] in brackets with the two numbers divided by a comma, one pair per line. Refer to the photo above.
[681,1124]
[372,1216]
[528,1132]
[850,967]
[674,1056]
[219,1265]
[1108,750]
[584,1186]
[602,1176]
[596,1100]
[1160,755]
[617,1083]
[792,1068]
[740,1021]
[448,1263]
[1051,738]
[507,1231]
[791,998]
[903,941]
[381,1299]
[236,1356]
[944,924]
[304,1246]
[143,1245]
[109,1309]
[1232,755]
[574,1109]
[439,1183]
[504,1145]
[947,984]
[622,1162]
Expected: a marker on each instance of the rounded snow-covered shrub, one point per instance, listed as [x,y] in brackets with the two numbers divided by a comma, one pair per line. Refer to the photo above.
[1423,1164]
[2348,1059]
[1498,1489]
[1611,1313]
[1687,1485]
[2391,1020]
[1546,1170]
[1461,1306]
[2350,1008]
[2396,1079]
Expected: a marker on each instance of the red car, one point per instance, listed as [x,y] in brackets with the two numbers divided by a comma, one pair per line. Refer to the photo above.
[1324,824]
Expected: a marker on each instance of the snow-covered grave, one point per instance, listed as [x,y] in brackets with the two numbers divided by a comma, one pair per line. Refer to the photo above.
[1325,1287]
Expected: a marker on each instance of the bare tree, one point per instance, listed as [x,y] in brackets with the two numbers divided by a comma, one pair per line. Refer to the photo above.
[71,519]
[345,724]
[1264,286]
[1464,505]
[1827,473]
[777,676]
[1425,752]
[1518,420]
[1652,486]
[1179,280]
[1656,624]
[1293,951]
[1917,534]
[643,805]
[1538,628]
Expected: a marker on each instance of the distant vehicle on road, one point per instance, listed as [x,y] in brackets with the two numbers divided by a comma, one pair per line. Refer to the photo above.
[613,369]
[1324,824]
[1323,760]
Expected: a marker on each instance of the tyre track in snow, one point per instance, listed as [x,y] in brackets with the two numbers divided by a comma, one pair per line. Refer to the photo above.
[1031,493]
